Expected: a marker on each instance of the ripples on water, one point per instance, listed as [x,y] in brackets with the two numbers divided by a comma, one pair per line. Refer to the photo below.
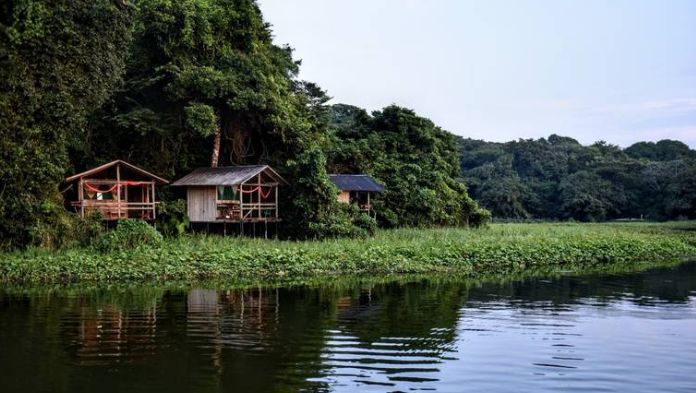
[632,332]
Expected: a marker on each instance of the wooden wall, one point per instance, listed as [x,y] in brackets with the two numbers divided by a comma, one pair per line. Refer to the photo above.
[201,204]
[344,197]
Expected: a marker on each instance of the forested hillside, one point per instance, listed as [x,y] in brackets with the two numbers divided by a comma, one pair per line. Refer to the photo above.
[416,161]
[558,178]
[175,85]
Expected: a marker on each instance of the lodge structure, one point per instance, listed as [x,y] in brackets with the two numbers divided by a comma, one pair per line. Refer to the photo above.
[118,190]
[233,194]
[356,189]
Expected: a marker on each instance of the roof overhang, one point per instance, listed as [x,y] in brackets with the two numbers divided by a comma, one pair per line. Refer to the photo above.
[355,182]
[226,176]
[112,164]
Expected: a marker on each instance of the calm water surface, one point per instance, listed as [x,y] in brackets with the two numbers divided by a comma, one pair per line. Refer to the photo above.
[615,333]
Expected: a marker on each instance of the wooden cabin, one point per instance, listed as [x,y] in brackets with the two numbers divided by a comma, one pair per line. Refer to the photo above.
[356,189]
[233,194]
[118,190]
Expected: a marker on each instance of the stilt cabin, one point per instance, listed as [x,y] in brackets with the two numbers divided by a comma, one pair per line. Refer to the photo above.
[118,190]
[233,194]
[357,189]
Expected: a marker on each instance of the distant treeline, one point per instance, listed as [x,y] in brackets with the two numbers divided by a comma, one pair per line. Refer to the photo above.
[558,178]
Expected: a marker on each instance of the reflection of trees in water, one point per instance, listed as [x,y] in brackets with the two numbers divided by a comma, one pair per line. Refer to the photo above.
[106,326]
[673,285]
[261,339]
[391,333]
[45,338]
[401,310]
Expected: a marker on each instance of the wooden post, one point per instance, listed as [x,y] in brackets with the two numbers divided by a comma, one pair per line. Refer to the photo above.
[276,201]
[144,195]
[369,207]
[126,196]
[241,210]
[118,190]
[154,206]
[258,185]
[81,197]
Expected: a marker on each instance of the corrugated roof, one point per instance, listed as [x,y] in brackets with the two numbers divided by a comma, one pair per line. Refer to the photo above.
[108,165]
[356,183]
[226,175]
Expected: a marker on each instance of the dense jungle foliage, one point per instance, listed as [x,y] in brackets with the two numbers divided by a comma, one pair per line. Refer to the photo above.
[175,85]
[417,162]
[558,178]
[58,61]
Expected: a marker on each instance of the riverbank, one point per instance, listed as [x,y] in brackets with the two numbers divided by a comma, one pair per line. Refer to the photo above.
[499,249]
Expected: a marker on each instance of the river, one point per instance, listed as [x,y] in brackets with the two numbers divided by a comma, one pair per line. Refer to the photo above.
[628,332]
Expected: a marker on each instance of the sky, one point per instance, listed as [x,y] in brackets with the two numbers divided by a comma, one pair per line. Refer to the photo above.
[611,70]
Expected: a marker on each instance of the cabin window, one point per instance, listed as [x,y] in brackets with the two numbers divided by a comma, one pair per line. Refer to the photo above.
[227,193]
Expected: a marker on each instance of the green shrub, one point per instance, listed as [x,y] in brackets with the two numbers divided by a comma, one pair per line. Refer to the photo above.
[61,229]
[172,219]
[89,229]
[366,222]
[478,217]
[128,235]
[334,227]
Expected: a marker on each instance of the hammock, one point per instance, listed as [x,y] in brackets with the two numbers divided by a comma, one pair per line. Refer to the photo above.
[115,186]
[259,189]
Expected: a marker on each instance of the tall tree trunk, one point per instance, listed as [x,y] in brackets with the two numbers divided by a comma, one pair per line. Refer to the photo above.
[215,156]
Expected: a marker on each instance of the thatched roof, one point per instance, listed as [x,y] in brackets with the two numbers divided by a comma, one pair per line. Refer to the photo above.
[226,176]
[356,183]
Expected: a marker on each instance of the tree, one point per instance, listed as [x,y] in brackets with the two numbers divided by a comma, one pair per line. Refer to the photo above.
[587,197]
[58,61]
[664,150]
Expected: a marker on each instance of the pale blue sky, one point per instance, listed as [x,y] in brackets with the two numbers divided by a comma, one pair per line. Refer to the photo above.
[619,71]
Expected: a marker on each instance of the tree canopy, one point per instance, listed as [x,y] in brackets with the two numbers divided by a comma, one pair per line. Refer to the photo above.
[58,61]
[558,178]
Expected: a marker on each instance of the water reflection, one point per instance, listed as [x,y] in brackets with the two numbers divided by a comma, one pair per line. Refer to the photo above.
[602,332]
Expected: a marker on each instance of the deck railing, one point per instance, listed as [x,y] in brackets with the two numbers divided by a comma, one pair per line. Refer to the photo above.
[260,209]
[116,210]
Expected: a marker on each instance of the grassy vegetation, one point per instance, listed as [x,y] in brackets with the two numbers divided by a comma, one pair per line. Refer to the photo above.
[501,248]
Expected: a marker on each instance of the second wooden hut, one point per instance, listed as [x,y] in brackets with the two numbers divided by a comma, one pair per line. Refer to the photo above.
[233,194]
